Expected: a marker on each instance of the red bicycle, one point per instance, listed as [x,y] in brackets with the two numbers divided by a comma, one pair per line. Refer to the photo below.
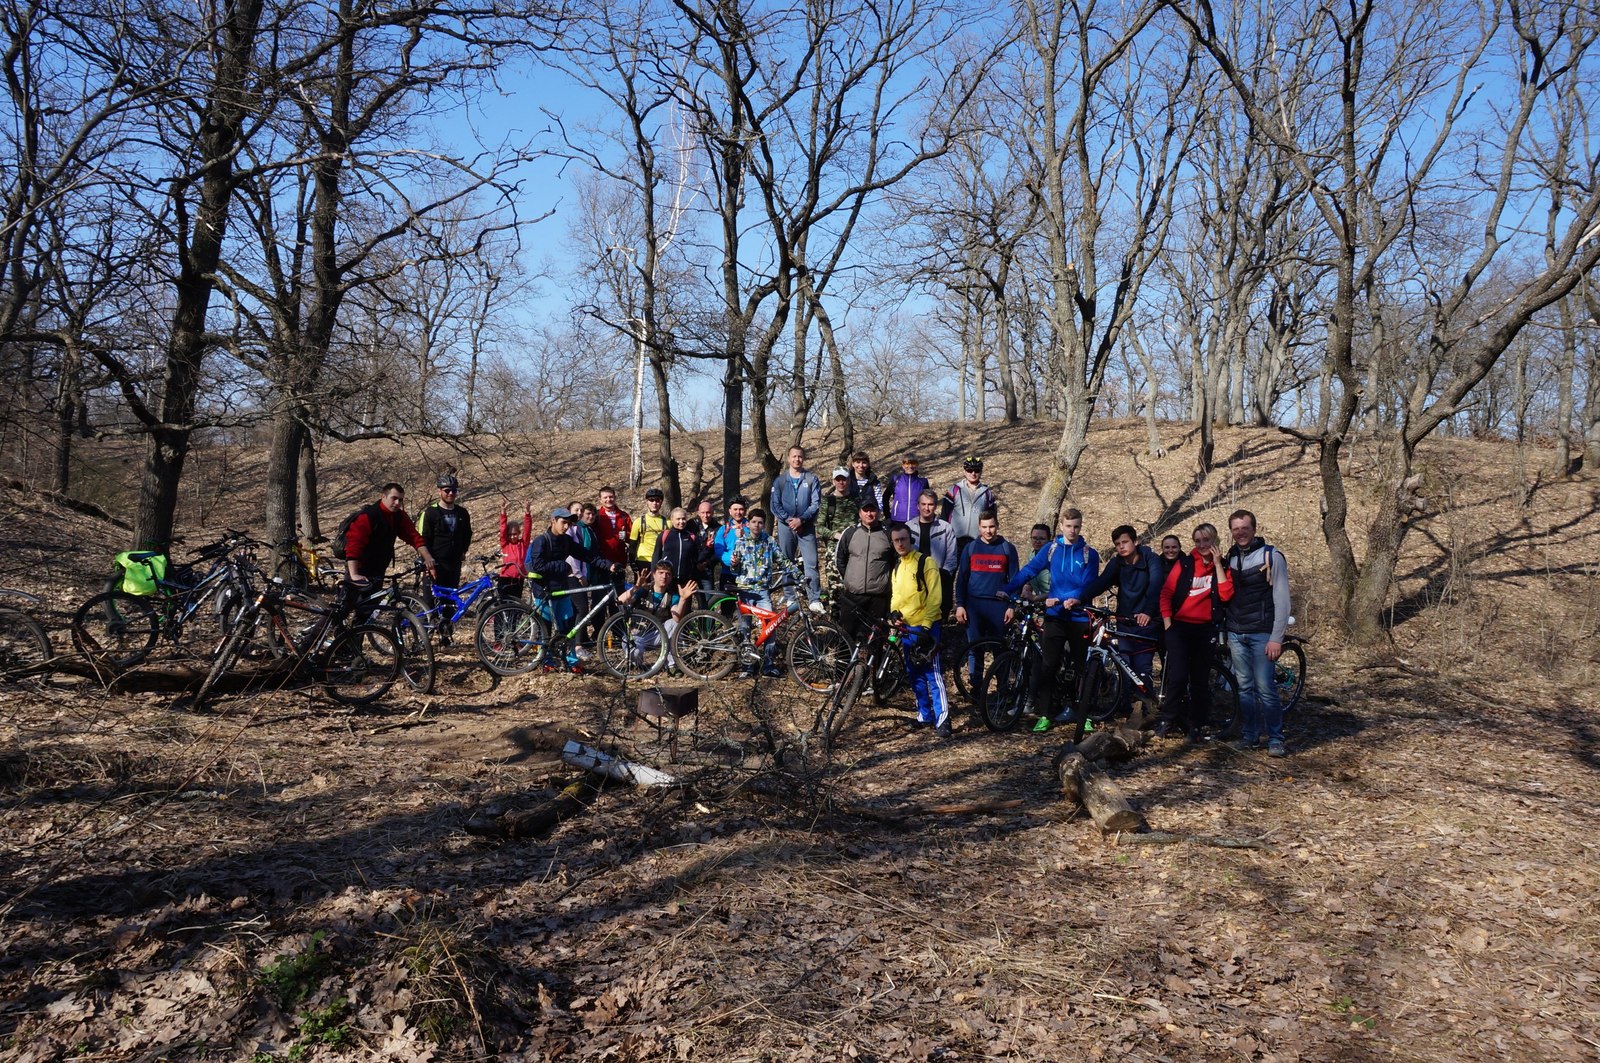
[708,645]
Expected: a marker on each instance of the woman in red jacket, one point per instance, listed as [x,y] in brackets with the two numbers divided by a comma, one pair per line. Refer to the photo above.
[1191,601]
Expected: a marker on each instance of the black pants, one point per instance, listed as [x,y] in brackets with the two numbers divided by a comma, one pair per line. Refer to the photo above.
[1186,683]
[858,611]
[1062,634]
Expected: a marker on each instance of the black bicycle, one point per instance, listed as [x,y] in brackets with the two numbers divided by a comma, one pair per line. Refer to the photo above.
[355,663]
[193,611]
[1006,695]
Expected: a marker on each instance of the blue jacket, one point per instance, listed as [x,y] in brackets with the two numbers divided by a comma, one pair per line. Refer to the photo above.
[983,571]
[791,498]
[1072,569]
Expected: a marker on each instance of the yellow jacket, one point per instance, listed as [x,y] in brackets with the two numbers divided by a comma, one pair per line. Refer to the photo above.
[918,606]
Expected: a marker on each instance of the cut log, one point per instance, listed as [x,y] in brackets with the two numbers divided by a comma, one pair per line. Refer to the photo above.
[1083,783]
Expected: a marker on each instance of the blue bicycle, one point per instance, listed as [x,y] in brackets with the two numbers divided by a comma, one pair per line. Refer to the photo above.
[448,605]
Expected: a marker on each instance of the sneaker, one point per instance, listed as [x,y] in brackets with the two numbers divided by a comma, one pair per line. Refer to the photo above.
[1042,726]
[772,671]
[1162,727]
[943,730]
[817,607]
[1276,749]
[1242,745]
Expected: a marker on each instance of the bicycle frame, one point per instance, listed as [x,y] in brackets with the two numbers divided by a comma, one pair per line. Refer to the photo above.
[463,597]
[604,600]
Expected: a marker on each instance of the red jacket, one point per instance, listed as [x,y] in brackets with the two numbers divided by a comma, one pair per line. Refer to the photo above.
[1195,608]
[612,532]
[371,546]
[512,552]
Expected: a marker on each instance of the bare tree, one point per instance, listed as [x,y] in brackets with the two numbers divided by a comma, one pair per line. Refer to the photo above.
[1113,121]
[1412,68]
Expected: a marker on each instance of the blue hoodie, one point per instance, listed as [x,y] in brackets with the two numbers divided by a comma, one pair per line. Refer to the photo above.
[1072,569]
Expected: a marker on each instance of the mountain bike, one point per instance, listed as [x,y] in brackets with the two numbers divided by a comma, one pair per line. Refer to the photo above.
[303,566]
[514,637]
[193,612]
[24,646]
[708,645]
[450,604]
[1005,695]
[1110,653]
[355,663]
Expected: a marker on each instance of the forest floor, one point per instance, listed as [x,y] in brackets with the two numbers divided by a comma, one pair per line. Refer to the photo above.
[287,878]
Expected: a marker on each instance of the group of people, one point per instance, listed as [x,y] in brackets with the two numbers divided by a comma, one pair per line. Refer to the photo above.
[894,546]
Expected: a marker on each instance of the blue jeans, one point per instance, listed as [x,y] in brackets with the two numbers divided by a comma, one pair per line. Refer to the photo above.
[1258,687]
[806,541]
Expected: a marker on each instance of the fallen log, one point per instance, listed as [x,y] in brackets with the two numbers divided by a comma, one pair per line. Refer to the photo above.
[540,820]
[581,756]
[1157,837]
[171,677]
[1084,784]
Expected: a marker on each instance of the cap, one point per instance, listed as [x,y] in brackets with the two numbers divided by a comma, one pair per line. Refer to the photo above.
[561,513]
[868,502]
[446,480]
[841,473]
[654,492]
[973,463]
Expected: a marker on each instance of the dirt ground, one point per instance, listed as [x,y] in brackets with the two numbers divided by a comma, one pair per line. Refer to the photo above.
[284,878]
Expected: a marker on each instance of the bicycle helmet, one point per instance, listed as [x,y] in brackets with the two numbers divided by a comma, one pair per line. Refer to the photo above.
[447,481]
[654,492]
[973,463]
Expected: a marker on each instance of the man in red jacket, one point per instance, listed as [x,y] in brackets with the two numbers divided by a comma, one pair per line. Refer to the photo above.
[612,528]
[369,538]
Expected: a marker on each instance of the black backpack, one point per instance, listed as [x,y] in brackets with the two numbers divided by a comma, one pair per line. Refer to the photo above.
[344,528]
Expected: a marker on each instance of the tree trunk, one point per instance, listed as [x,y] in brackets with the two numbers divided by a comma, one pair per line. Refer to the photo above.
[1069,451]
[670,483]
[1566,369]
[168,443]
[67,406]
[310,522]
[283,481]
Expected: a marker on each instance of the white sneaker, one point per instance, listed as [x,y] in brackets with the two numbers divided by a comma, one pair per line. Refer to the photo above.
[818,608]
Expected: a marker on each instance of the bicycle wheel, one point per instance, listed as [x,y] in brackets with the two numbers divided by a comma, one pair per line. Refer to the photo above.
[836,712]
[1004,692]
[231,649]
[1225,715]
[632,645]
[1101,694]
[888,674]
[511,638]
[417,665]
[24,646]
[818,655]
[705,645]
[974,665]
[293,572]
[115,629]
[1290,672]
[360,665]
[953,656]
